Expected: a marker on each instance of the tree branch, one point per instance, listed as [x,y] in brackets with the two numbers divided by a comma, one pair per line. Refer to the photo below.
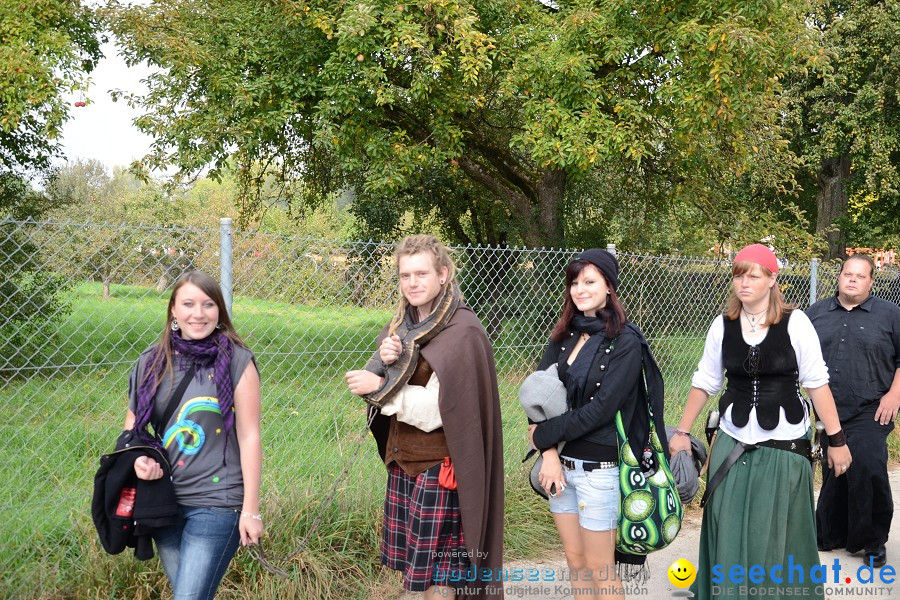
[477,172]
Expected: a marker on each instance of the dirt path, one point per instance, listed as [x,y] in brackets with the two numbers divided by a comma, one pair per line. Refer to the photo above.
[541,578]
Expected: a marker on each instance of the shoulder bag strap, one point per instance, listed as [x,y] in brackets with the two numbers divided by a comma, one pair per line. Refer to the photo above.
[159,426]
[739,449]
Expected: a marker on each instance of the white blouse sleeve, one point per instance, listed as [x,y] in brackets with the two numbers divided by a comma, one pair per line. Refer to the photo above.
[810,365]
[710,375]
[417,405]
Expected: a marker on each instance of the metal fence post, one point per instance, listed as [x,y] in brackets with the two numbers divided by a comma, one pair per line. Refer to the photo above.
[813,280]
[225,265]
[611,248]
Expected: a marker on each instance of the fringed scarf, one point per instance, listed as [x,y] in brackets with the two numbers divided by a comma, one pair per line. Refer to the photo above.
[213,351]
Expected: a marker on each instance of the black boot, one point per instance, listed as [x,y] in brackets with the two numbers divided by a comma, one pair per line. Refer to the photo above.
[876,558]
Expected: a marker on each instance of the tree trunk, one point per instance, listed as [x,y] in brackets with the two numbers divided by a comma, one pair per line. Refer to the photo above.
[488,282]
[549,223]
[535,202]
[831,203]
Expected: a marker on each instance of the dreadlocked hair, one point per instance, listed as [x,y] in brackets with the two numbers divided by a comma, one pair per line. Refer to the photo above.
[440,256]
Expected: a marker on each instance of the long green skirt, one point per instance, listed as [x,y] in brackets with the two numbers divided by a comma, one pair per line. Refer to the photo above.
[761,514]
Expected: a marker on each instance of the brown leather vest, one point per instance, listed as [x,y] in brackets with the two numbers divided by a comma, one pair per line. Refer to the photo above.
[412,449]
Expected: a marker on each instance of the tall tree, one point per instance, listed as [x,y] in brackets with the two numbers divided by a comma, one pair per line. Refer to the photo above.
[47,48]
[848,122]
[80,182]
[111,249]
[491,107]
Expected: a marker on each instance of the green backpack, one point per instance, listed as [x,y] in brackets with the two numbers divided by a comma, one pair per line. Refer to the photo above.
[650,511]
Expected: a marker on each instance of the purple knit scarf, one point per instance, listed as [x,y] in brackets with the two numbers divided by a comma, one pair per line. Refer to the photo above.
[213,351]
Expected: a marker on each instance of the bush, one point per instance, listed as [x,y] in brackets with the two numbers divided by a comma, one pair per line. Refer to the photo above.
[32,299]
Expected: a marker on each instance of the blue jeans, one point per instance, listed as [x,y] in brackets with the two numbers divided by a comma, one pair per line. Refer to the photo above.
[195,552]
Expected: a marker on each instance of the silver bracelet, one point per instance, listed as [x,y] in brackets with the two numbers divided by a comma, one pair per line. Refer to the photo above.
[251,516]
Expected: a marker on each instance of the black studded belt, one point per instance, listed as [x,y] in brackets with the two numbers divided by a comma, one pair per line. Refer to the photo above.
[801,446]
[588,466]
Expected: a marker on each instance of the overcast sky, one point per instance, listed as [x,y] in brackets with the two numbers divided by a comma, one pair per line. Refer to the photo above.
[103,129]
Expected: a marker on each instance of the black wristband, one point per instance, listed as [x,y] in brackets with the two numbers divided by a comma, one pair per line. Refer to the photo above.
[837,440]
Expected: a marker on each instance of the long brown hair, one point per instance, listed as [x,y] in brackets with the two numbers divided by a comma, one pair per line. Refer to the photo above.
[778,306]
[208,286]
[613,314]
[440,257]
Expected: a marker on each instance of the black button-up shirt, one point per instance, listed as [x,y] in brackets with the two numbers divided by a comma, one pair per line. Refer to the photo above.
[861,347]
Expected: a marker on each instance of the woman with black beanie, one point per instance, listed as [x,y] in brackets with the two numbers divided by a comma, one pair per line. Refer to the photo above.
[601,359]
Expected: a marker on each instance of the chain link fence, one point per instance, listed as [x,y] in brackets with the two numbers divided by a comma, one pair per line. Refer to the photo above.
[79,302]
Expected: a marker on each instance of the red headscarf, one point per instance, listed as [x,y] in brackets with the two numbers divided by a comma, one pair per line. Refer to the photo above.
[759,254]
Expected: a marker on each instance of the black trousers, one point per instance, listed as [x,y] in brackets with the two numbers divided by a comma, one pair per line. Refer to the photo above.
[855,510]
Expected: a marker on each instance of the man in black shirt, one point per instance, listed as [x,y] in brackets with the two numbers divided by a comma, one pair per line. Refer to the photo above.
[860,337]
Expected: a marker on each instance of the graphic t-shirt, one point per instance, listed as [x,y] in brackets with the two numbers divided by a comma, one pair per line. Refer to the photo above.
[194,437]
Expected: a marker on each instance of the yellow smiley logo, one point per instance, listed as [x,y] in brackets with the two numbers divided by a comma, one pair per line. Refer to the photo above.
[682,573]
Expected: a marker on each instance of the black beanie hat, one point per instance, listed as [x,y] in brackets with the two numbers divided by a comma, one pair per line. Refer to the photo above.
[605,262]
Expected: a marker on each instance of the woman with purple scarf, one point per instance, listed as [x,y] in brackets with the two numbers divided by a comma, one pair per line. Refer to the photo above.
[211,439]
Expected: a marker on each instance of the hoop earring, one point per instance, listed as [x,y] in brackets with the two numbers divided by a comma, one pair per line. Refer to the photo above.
[442,282]
[174,325]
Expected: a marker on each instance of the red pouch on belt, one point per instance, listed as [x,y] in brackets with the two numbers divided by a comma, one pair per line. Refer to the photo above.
[447,476]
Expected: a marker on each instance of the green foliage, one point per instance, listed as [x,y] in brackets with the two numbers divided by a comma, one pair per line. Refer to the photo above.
[80,183]
[83,191]
[31,305]
[46,48]
[852,110]
[636,210]
[32,300]
[475,114]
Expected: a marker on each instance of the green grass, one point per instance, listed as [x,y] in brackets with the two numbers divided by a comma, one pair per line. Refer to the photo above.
[63,416]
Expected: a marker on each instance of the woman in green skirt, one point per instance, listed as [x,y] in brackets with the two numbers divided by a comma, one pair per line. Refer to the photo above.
[760,515]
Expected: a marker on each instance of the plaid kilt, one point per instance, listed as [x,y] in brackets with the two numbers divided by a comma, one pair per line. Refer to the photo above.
[422,534]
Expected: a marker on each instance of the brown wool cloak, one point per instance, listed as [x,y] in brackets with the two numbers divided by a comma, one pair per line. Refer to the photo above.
[463,360]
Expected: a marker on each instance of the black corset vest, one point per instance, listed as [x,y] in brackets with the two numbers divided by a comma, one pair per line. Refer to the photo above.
[763,376]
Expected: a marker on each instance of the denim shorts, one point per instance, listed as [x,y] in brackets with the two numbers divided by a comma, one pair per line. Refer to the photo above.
[592,495]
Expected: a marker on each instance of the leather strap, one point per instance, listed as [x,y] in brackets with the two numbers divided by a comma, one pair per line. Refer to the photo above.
[722,471]
[159,426]
[799,446]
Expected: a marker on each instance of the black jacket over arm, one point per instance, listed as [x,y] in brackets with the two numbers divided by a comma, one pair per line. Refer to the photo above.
[154,502]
